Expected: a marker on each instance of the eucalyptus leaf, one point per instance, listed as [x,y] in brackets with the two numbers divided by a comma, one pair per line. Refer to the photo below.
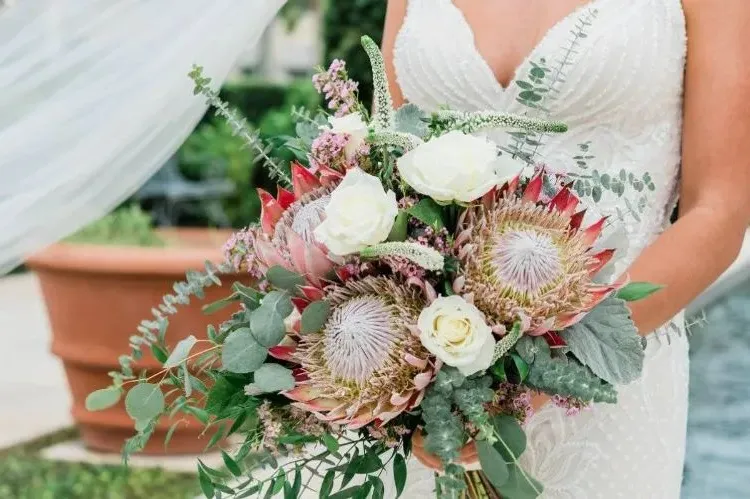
[281,278]
[180,352]
[267,321]
[144,401]
[607,341]
[493,464]
[103,399]
[520,485]
[429,212]
[241,353]
[314,316]
[511,438]
[638,291]
[272,378]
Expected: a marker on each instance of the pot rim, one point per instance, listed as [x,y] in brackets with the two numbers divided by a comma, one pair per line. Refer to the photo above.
[139,260]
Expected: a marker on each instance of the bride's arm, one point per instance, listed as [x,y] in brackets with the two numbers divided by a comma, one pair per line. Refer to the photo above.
[715,181]
[394,17]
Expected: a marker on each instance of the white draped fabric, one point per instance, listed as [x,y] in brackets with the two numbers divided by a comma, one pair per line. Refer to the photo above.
[94,98]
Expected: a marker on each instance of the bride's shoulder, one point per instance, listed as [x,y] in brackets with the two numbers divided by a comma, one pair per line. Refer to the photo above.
[719,10]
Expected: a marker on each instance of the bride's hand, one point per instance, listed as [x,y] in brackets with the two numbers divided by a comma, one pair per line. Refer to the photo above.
[468,455]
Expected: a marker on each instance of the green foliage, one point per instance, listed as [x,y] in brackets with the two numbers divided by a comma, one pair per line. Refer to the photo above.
[126,226]
[315,316]
[242,353]
[412,120]
[428,212]
[343,25]
[561,375]
[103,399]
[144,402]
[638,291]
[272,378]
[383,117]
[26,475]
[267,321]
[607,341]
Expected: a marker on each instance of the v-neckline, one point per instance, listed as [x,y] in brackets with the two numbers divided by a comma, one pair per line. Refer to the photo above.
[575,13]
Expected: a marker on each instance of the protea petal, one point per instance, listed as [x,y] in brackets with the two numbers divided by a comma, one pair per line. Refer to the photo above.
[303,181]
[591,234]
[600,260]
[534,189]
[555,340]
[422,380]
[285,198]
[268,254]
[401,398]
[576,220]
[317,263]
[297,249]
[300,375]
[282,352]
[415,361]
[300,303]
[271,211]
[560,200]
[312,293]
[303,393]
[365,416]
[317,405]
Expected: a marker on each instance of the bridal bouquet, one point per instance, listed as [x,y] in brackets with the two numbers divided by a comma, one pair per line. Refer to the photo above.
[407,285]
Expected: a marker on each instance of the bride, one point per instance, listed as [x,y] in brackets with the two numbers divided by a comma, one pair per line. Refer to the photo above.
[656,97]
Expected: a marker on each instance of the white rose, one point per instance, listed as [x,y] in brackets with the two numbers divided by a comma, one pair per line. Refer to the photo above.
[359,214]
[455,331]
[355,127]
[456,167]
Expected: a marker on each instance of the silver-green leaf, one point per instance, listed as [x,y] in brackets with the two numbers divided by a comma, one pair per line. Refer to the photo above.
[607,341]
[241,353]
[180,352]
[410,119]
[103,399]
[493,464]
[314,316]
[272,378]
[144,401]
[281,278]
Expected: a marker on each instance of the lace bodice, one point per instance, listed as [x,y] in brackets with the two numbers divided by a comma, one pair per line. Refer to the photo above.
[613,71]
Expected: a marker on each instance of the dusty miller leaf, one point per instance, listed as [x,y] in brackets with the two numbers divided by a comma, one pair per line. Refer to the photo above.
[409,120]
[607,341]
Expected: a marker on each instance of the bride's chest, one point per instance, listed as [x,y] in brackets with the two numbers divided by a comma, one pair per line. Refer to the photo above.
[612,60]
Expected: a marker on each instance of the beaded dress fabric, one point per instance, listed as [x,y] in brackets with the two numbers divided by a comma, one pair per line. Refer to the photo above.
[613,71]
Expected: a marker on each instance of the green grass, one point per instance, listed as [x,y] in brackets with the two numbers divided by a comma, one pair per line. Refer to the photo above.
[24,474]
[126,226]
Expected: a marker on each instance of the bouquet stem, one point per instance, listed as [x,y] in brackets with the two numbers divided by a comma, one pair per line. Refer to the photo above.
[478,486]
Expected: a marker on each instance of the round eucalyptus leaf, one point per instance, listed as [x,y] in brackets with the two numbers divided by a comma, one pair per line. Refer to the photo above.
[103,399]
[267,326]
[314,316]
[241,353]
[272,378]
[493,464]
[144,401]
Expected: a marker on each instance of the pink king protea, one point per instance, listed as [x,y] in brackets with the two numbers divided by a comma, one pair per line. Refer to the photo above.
[522,258]
[288,222]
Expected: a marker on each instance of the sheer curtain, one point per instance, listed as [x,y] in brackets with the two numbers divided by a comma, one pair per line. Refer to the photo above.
[94,98]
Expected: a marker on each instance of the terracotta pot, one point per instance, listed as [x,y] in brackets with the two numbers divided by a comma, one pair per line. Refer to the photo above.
[97,295]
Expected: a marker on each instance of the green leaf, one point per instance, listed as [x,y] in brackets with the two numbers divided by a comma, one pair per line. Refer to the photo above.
[378,489]
[103,399]
[314,316]
[330,442]
[207,485]
[607,341]
[159,353]
[562,375]
[144,401]
[348,493]
[327,485]
[363,491]
[399,474]
[231,465]
[638,291]
[186,380]
[241,353]
[520,485]
[281,278]
[272,378]
[511,437]
[521,366]
[278,482]
[180,352]
[214,307]
[429,212]
[267,321]
[399,231]
[410,119]
[493,464]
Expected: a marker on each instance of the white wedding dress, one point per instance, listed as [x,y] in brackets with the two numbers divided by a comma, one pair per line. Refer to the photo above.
[613,71]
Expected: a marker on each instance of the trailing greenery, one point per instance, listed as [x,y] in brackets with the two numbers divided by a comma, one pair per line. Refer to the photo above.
[24,474]
[343,25]
[126,226]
